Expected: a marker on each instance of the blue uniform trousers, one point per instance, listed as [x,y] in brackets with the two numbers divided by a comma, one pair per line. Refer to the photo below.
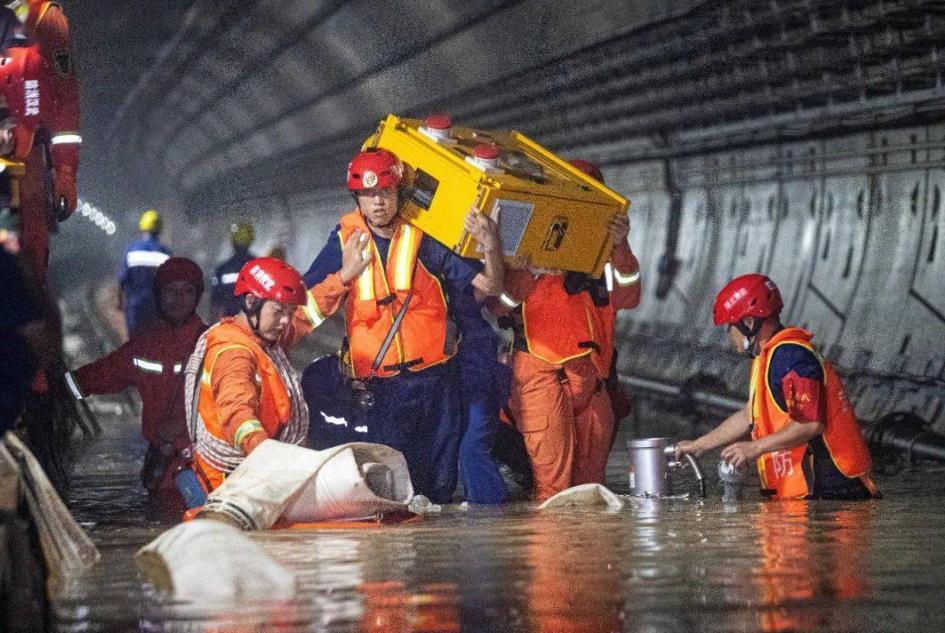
[418,413]
[478,469]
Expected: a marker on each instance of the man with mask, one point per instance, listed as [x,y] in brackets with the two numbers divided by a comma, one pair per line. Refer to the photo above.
[152,361]
[804,435]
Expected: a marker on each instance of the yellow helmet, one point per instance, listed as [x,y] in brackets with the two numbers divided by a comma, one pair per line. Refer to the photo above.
[242,234]
[150,222]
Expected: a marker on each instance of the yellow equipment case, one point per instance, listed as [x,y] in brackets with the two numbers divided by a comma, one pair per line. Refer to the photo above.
[550,213]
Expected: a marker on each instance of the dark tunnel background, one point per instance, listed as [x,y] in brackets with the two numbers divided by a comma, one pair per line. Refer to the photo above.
[798,138]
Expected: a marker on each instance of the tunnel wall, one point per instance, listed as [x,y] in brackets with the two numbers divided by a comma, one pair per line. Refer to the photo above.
[791,138]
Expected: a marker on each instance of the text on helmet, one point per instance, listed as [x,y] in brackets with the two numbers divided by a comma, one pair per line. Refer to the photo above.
[262,277]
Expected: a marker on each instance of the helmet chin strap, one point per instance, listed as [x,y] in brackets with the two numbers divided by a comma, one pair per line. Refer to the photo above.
[750,342]
[252,314]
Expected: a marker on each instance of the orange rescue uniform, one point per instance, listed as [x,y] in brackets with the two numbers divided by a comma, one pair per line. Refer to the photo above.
[557,399]
[783,472]
[248,392]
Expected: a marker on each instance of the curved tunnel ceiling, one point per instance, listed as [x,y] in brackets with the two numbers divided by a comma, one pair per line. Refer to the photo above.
[794,137]
[247,91]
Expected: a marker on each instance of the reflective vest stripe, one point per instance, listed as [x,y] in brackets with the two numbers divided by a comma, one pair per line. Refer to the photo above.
[609,276]
[73,386]
[148,365]
[311,310]
[66,137]
[366,284]
[177,368]
[145,258]
[229,278]
[403,272]
[246,428]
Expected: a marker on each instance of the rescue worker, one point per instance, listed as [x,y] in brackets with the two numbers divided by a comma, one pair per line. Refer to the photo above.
[804,435]
[245,390]
[222,300]
[621,290]
[152,361]
[374,263]
[136,272]
[558,400]
[41,95]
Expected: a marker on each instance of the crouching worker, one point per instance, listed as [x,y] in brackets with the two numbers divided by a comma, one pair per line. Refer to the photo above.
[393,282]
[152,361]
[804,435]
[240,387]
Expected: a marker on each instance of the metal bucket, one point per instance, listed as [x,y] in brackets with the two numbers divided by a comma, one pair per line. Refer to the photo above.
[652,462]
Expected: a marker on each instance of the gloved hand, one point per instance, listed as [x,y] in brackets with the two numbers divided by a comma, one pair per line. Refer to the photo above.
[66,196]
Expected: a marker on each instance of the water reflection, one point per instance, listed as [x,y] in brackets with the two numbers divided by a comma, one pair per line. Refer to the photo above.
[799,573]
[666,565]
[570,589]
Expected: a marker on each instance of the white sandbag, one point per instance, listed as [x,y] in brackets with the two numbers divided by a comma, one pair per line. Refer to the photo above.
[279,480]
[355,482]
[213,563]
[66,547]
[585,495]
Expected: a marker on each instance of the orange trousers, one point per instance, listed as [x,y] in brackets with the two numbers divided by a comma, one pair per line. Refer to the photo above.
[564,414]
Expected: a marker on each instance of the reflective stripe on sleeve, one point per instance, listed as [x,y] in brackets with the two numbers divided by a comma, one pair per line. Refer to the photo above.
[229,278]
[65,137]
[609,276]
[73,386]
[247,427]
[311,310]
[148,365]
[508,301]
[626,280]
[145,258]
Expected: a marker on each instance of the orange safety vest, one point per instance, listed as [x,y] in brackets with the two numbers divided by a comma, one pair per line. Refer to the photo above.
[558,326]
[282,412]
[376,297]
[782,472]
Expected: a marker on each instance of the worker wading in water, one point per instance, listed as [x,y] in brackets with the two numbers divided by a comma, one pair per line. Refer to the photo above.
[804,436]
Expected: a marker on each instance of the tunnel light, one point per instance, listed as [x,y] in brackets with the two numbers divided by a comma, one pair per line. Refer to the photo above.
[97,217]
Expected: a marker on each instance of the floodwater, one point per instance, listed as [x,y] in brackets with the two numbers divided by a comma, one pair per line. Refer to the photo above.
[669,565]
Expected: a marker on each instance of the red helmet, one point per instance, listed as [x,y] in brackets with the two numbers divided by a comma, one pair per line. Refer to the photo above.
[747,296]
[271,278]
[589,168]
[374,168]
[179,269]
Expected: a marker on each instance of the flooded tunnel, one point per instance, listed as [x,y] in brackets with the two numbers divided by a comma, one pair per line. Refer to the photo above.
[797,139]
